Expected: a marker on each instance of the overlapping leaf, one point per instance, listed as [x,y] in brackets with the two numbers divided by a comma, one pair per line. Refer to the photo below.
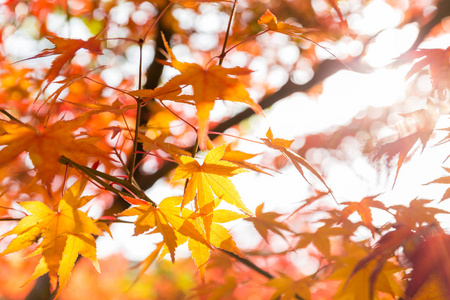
[219,238]
[363,285]
[288,288]
[165,219]
[207,180]
[417,213]
[176,229]
[47,146]
[66,232]
[431,260]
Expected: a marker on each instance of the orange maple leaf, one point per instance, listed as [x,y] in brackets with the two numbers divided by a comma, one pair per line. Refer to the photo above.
[270,20]
[66,49]
[264,222]
[216,290]
[443,180]
[66,232]
[363,209]
[439,62]
[363,285]
[425,120]
[208,84]
[288,288]
[299,162]
[343,23]
[321,238]
[47,146]
[417,214]
[430,257]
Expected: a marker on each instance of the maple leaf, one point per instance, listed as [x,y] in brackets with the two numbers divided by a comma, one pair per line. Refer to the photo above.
[66,49]
[443,180]
[318,195]
[431,260]
[66,232]
[299,162]
[164,219]
[321,238]
[417,213]
[146,263]
[179,229]
[240,158]
[270,20]
[201,1]
[116,107]
[150,144]
[363,209]
[216,290]
[288,288]
[219,238]
[208,180]
[208,84]
[264,222]
[439,62]
[343,23]
[47,146]
[382,251]
[425,120]
[362,285]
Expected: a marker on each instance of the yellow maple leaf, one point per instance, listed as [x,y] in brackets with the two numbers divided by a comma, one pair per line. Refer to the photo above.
[288,288]
[47,146]
[165,219]
[219,238]
[362,281]
[66,232]
[208,84]
[208,180]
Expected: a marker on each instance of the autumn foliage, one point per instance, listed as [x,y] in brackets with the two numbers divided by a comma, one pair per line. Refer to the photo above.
[153,115]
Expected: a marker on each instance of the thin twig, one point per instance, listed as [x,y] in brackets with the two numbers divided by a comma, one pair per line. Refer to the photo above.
[222,55]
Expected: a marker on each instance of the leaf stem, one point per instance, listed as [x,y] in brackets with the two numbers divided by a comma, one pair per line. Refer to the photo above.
[11,117]
[249,264]
[222,55]
[157,19]
[179,117]
[138,117]
[98,176]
